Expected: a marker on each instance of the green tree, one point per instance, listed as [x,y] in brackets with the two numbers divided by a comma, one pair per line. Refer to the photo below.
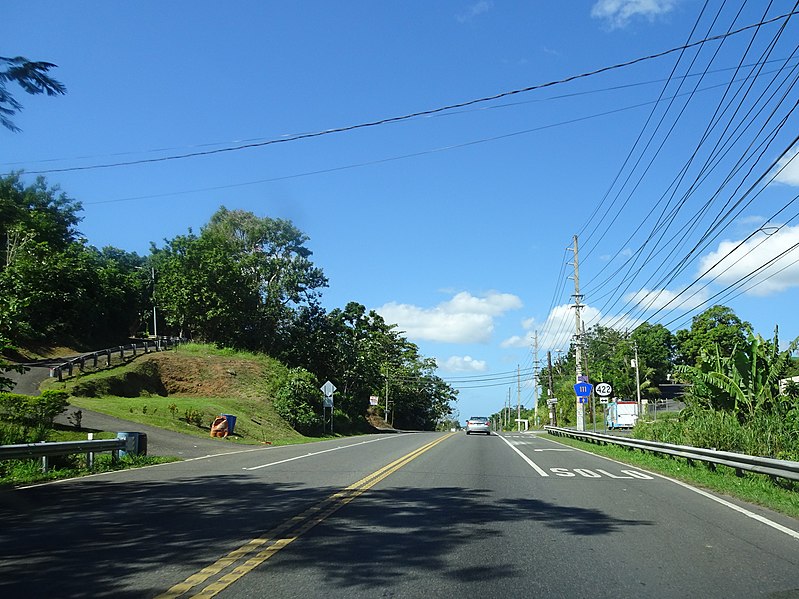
[205,290]
[53,287]
[32,77]
[655,345]
[716,326]
[238,282]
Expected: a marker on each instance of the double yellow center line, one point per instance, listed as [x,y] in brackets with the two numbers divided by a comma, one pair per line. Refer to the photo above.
[239,562]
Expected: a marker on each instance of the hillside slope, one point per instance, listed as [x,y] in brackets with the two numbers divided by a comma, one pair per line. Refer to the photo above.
[185,390]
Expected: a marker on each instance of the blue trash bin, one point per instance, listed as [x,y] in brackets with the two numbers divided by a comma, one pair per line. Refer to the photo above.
[231,423]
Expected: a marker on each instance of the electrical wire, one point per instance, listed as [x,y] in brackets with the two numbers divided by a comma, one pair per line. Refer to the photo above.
[414,115]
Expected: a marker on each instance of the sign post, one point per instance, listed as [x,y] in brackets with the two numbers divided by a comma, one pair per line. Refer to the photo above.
[583,392]
[604,390]
[328,389]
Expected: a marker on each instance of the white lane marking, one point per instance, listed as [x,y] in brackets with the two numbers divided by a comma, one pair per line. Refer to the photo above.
[762,519]
[308,455]
[530,462]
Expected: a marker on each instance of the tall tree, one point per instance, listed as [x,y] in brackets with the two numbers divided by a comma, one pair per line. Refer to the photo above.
[716,326]
[272,253]
[32,77]
[205,290]
[655,345]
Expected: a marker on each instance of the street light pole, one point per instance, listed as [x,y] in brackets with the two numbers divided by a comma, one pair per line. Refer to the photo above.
[638,381]
[155,317]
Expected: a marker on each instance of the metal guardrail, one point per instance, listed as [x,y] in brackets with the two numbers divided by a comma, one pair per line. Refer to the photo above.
[27,451]
[740,462]
[146,346]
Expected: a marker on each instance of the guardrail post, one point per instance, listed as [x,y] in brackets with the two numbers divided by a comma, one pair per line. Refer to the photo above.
[90,455]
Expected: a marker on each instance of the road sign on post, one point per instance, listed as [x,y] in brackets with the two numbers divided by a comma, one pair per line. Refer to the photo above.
[604,390]
[328,389]
[583,391]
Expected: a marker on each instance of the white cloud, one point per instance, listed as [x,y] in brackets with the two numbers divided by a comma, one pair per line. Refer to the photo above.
[618,13]
[463,319]
[558,330]
[657,299]
[756,252]
[462,364]
[788,168]
[475,10]
[749,221]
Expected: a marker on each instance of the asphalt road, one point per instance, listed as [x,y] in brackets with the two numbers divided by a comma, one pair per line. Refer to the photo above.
[402,515]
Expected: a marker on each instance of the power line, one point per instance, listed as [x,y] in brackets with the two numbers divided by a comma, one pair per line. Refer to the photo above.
[413,115]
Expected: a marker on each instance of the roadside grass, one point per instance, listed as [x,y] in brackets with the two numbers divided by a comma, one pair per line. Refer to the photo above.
[781,496]
[17,473]
[256,422]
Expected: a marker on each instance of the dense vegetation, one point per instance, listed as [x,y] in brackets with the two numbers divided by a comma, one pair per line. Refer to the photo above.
[244,282]
[730,375]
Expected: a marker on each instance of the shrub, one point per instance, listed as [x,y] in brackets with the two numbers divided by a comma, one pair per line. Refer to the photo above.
[763,434]
[33,411]
[298,402]
[194,417]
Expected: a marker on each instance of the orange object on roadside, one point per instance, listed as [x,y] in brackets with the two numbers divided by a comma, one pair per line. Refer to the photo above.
[219,427]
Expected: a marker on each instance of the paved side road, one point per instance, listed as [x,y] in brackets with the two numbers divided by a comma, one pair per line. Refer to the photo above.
[160,442]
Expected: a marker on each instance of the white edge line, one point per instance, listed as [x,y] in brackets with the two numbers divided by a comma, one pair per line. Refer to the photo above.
[762,519]
[308,455]
[530,462]
[61,481]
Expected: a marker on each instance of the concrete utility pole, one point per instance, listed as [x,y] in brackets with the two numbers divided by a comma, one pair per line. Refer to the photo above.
[553,420]
[638,382]
[535,377]
[578,341]
[518,398]
[507,410]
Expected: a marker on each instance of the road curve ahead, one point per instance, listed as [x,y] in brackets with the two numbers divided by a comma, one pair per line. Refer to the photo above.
[408,515]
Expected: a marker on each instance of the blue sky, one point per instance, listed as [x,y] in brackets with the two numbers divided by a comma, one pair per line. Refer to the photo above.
[454,224]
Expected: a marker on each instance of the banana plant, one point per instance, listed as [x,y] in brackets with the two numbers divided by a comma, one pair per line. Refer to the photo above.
[745,382]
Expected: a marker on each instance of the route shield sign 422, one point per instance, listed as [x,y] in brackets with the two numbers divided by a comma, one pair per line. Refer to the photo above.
[604,390]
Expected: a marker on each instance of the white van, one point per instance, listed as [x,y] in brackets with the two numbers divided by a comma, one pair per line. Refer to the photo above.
[621,414]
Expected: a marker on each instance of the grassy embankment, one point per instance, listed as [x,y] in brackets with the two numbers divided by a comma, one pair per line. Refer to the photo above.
[181,391]
[185,389]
